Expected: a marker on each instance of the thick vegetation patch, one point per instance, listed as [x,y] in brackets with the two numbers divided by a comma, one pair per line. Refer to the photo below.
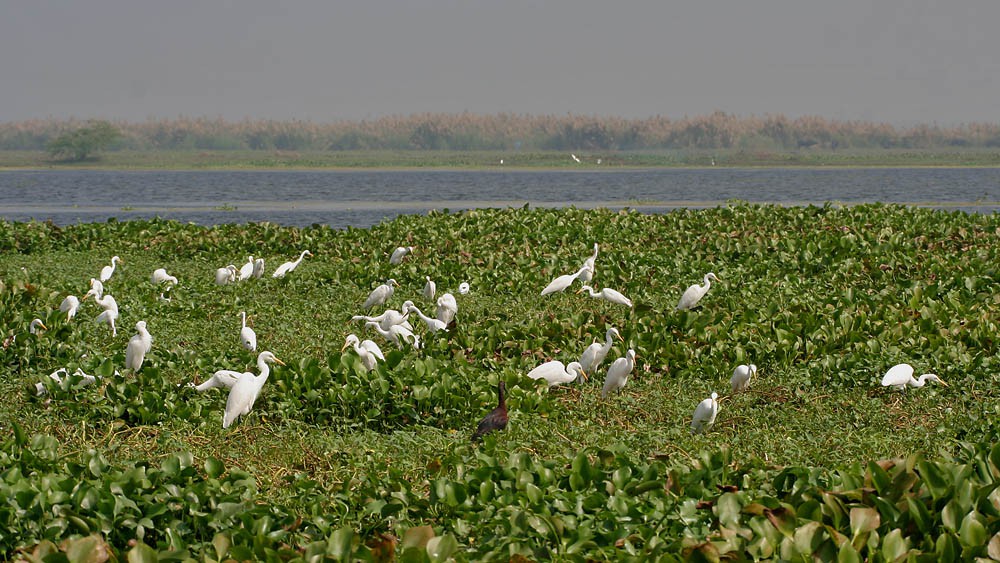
[815,458]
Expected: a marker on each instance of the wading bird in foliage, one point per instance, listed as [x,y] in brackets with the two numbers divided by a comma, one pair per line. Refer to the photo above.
[901,375]
[497,419]
[694,293]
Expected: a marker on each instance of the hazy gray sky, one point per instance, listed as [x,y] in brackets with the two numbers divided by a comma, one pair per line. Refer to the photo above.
[324,60]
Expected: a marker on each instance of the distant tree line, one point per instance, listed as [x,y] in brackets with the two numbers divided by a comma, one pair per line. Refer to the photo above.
[466,131]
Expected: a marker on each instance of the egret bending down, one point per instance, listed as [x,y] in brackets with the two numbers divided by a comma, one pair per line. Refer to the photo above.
[433,325]
[222,378]
[556,374]
[694,293]
[594,355]
[447,308]
[901,375]
[399,253]
[368,351]
[289,266]
[397,334]
[704,414]
[607,294]
[160,275]
[560,283]
[37,326]
[225,275]
[244,392]
[618,373]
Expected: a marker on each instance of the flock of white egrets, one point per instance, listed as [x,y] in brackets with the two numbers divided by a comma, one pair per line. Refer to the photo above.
[393,325]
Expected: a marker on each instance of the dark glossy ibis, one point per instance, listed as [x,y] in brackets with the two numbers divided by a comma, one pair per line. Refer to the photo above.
[497,419]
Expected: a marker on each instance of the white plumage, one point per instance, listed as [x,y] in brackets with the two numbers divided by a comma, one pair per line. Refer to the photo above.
[555,373]
[594,355]
[245,391]
[741,377]
[694,293]
[107,271]
[399,253]
[289,266]
[69,306]
[225,275]
[380,294]
[560,283]
[608,294]
[429,289]
[160,275]
[618,373]
[901,375]
[368,351]
[447,308]
[138,347]
[704,414]
[248,338]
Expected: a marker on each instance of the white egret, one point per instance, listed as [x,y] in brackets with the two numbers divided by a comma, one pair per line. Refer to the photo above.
[562,282]
[594,355]
[368,351]
[258,268]
[429,289]
[246,270]
[69,306]
[692,295]
[225,275]
[380,294]
[575,158]
[96,287]
[618,373]
[248,338]
[110,313]
[704,414]
[447,308]
[433,325]
[463,288]
[160,275]
[37,326]
[741,377]
[61,373]
[399,253]
[555,373]
[590,267]
[138,347]
[244,392]
[107,271]
[607,294]
[901,375]
[389,317]
[397,334]
[289,266]
[223,378]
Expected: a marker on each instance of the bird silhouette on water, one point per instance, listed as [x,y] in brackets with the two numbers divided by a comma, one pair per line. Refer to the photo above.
[497,419]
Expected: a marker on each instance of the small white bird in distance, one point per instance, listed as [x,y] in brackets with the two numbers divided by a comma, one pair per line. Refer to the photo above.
[244,392]
[368,351]
[607,294]
[380,294]
[555,373]
[37,326]
[225,275]
[258,268]
[447,308]
[433,325]
[430,288]
[289,266]
[399,253]
[246,270]
[560,283]
[575,158]
[248,338]
[704,414]
[594,355]
[107,271]
[69,306]
[901,375]
[741,377]
[618,373]
[138,347]
[398,335]
[160,275]
[463,288]
[694,293]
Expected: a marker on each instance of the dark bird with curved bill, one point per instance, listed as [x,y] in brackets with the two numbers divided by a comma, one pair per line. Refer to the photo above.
[497,419]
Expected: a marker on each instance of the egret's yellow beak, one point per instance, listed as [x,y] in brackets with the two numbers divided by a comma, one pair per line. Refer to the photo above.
[344,347]
[47,328]
[619,336]
[277,361]
[939,380]
[584,374]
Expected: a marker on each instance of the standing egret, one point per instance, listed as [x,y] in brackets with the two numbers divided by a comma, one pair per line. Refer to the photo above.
[704,414]
[96,287]
[447,308]
[368,351]
[69,306]
[225,275]
[246,270]
[590,265]
[397,334]
[607,294]
[399,253]
[497,419]
[380,294]
[107,271]
[244,392]
[289,266]
[160,275]
[555,373]
[463,288]
[248,338]
[562,282]
[901,375]
[138,347]
[429,289]
[694,293]
[433,325]
[594,355]
[37,326]
[741,377]
[618,373]
[258,268]
[110,314]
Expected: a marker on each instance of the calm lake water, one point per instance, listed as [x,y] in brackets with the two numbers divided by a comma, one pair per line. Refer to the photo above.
[364,198]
